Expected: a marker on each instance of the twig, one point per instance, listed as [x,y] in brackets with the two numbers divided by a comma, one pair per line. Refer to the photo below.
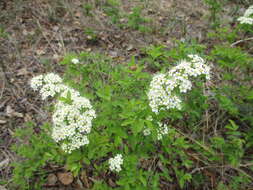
[205,167]
[4,163]
[2,77]
[225,166]
[48,41]
[196,142]
[240,41]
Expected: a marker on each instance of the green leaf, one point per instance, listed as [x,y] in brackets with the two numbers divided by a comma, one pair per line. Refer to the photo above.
[104,93]
[138,126]
[74,156]
[250,95]
[232,126]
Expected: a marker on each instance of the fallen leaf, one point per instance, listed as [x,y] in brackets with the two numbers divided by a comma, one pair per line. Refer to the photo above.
[55,28]
[77,23]
[27,118]
[22,71]
[56,57]
[12,113]
[51,179]
[113,54]
[130,47]
[65,178]
[3,121]
[133,68]
[17,114]
[40,52]
[9,111]
[122,20]
[24,32]
[84,179]
[78,14]
[2,187]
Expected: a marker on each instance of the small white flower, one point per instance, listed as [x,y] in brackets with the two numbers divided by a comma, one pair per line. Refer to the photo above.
[249,11]
[247,18]
[36,82]
[52,78]
[149,118]
[75,61]
[115,163]
[146,131]
[162,130]
[77,141]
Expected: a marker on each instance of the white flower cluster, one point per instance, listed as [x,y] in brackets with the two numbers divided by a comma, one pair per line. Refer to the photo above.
[48,84]
[72,118]
[75,61]
[146,131]
[162,94]
[247,18]
[161,130]
[115,163]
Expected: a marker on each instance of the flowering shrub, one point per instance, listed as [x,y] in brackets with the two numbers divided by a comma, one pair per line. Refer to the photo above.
[73,113]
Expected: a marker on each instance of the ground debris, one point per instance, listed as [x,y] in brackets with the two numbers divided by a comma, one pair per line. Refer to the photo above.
[2,187]
[2,121]
[52,179]
[65,178]
[10,112]
[4,163]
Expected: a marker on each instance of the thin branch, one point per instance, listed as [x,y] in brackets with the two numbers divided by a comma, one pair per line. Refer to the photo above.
[240,41]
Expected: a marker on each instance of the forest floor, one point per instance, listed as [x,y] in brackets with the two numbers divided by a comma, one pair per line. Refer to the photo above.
[35,35]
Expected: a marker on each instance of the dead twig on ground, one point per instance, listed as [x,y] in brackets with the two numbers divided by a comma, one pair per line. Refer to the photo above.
[240,41]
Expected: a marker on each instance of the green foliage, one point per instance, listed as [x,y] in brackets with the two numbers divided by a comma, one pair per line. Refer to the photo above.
[3,34]
[159,58]
[111,8]
[38,150]
[137,22]
[90,35]
[234,95]
[224,34]
[210,136]
[133,20]
[87,8]
[232,147]
[215,7]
